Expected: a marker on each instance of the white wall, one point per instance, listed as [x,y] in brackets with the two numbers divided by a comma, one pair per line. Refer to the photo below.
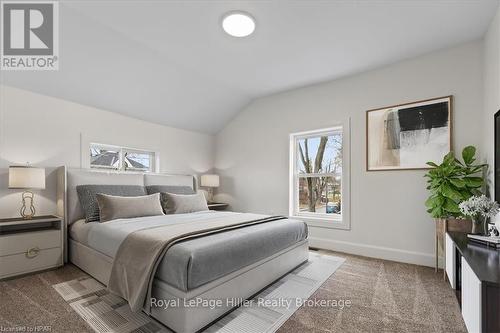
[491,76]
[388,218]
[50,132]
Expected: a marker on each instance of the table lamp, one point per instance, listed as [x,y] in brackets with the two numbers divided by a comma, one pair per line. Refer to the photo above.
[27,177]
[210,181]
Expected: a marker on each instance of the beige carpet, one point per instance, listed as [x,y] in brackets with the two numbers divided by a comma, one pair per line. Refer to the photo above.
[386,297]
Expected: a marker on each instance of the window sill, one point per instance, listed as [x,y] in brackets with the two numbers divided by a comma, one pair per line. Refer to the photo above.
[323,222]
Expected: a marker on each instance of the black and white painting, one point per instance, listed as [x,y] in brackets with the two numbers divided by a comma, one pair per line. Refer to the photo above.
[407,136]
[497,159]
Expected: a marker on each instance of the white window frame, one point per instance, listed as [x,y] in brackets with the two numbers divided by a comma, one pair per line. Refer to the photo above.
[121,154]
[317,219]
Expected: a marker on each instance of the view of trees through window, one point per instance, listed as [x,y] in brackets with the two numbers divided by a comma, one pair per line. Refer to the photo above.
[319,166]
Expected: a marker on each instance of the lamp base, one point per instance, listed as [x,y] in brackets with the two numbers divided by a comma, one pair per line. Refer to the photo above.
[210,191]
[25,213]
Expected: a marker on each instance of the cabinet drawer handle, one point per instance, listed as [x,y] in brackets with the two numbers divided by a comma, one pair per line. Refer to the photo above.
[32,253]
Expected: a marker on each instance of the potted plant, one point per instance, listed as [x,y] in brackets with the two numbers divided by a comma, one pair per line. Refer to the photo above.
[453,182]
[479,209]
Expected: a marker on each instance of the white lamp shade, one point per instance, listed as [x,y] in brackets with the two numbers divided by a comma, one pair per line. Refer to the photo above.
[210,180]
[26,177]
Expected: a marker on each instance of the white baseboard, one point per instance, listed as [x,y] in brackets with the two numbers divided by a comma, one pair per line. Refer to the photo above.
[380,252]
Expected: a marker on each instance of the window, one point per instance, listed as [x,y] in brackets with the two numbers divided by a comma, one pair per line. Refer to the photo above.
[120,158]
[136,160]
[318,177]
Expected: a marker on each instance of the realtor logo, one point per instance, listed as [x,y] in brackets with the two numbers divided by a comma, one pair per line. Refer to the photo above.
[29,35]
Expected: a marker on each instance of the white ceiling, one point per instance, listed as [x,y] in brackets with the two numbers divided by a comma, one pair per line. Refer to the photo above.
[169,62]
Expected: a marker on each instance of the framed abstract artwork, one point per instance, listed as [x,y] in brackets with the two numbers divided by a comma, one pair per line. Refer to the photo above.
[407,136]
[497,157]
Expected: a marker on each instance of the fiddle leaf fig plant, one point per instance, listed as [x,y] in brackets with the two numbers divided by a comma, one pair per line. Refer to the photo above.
[452,182]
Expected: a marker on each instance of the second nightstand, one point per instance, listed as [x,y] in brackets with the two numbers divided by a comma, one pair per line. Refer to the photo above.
[30,245]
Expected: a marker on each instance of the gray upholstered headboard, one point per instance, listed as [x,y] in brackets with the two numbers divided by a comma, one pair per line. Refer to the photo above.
[68,205]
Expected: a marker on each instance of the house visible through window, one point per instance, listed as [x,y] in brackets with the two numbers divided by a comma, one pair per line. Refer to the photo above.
[120,158]
[316,174]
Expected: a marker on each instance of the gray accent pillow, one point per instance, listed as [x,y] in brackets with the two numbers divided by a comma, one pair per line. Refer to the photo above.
[114,207]
[168,189]
[88,201]
[183,203]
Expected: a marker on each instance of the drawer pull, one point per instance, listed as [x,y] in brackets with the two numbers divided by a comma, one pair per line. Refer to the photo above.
[32,253]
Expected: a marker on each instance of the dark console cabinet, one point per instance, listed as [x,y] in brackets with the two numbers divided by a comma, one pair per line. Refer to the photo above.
[474,271]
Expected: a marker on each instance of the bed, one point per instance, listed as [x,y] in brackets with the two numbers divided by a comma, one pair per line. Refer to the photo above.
[230,265]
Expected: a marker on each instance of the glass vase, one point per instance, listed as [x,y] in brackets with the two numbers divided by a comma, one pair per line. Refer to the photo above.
[479,226]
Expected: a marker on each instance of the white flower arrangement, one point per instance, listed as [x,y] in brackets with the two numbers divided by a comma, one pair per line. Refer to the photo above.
[477,206]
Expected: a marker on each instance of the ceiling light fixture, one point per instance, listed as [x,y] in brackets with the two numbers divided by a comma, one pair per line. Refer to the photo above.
[238,24]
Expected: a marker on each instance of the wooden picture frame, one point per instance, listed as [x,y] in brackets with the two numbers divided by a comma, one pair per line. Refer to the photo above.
[406,136]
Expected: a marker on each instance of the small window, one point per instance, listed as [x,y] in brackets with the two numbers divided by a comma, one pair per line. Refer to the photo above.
[138,160]
[104,157]
[317,175]
[120,158]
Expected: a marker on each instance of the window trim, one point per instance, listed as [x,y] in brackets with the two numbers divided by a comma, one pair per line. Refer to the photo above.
[318,219]
[121,163]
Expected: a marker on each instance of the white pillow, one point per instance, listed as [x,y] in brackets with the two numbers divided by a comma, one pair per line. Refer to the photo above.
[183,203]
[113,207]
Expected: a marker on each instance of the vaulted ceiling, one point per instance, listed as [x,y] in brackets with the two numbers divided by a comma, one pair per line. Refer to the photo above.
[169,62]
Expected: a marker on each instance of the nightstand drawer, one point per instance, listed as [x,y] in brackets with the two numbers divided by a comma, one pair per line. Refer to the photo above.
[217,206]
[22,242]
[25,263]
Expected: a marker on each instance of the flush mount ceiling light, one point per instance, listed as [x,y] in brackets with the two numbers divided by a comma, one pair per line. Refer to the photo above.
[238,24]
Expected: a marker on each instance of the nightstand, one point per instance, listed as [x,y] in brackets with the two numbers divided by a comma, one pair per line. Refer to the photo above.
[32,245]
[217,206]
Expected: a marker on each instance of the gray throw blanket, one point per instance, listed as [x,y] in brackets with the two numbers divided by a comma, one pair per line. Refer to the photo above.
[135,263]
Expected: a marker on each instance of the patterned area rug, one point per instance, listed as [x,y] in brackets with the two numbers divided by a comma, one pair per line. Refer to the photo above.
[265,312]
